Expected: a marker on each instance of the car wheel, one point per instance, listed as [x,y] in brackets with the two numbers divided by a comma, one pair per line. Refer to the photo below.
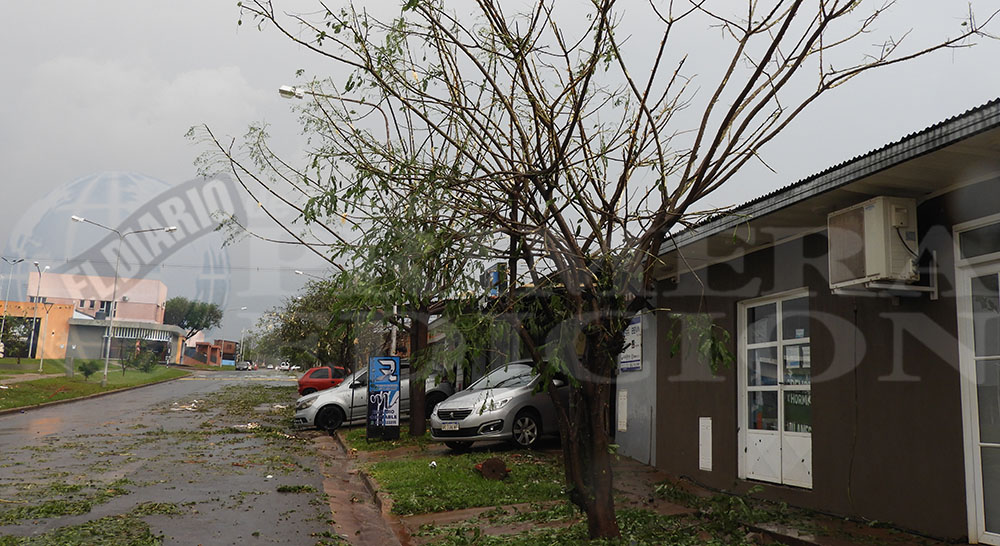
[329,418]
[527,428]
[431,401]
[309,390]
[459,446]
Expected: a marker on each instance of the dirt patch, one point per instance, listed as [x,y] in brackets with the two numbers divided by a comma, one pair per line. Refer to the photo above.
[414,523]
[358,516]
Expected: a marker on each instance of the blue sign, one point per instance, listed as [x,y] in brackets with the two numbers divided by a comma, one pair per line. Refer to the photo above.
[383,397]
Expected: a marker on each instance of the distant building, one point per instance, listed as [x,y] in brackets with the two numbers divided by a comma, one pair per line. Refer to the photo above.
[203,353]
[73,317]
[139,300]
[220,352]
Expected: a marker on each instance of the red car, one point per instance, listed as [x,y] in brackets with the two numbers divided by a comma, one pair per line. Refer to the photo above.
[317,379]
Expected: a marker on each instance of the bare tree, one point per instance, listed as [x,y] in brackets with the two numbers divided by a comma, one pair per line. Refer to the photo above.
[553,140]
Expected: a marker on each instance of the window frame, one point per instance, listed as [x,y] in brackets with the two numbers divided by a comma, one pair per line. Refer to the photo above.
[958,229]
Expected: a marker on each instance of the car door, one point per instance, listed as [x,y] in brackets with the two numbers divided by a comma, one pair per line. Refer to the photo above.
[404,392]
[359,397]
[319,379]
[543,401]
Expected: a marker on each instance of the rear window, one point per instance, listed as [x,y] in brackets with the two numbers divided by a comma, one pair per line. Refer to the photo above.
[321,373]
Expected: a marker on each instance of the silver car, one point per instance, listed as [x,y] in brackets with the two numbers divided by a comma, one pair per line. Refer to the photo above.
[502,405]
[347,403]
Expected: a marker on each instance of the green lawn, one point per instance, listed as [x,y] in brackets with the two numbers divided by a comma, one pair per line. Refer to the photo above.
[10,368]
[453,483]
[31,393]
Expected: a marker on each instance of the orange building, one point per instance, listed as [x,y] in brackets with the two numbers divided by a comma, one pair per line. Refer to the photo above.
[220,352]
[52,325]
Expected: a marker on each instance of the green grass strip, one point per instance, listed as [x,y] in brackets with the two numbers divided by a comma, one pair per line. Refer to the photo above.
[33,393]
[454,484]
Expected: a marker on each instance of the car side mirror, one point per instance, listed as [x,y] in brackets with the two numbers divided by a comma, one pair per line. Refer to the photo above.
[357,384]
[558,383]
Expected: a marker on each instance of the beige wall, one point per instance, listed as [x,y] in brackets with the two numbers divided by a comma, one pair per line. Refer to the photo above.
[138,299]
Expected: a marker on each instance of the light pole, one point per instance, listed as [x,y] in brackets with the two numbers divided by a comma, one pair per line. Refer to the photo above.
[6,296]
[317,277]
[41,332]
[38,290]
[239,357]
[114,290]
[244,308]
[292,92]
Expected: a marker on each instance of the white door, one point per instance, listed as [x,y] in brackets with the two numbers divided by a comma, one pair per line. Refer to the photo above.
[775,378]
[979,332]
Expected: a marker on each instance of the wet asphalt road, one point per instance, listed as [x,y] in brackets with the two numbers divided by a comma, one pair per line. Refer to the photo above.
[179,443]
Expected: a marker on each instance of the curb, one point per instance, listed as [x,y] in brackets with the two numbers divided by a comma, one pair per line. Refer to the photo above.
[394,523]
[87,397]
[784,535]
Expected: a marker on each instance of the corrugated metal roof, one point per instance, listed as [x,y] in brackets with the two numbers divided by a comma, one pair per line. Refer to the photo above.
[939,135]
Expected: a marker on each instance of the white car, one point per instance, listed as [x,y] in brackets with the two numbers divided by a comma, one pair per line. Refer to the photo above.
[505,404]
[284,367]
[347,403]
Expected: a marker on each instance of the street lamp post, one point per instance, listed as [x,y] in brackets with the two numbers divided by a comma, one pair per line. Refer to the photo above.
[41,332]
[38,290]
[317,277]
[292,92]
[6,296]
[241,359]
[114,290]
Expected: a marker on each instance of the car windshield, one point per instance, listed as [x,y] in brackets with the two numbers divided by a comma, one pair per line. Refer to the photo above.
[511,375]
[360,376]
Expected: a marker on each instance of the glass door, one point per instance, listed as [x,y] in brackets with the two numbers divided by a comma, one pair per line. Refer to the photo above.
[981,363]
[977,253]
[776,396]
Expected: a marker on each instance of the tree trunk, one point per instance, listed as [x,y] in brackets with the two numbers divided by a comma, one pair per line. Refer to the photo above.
[418,342]
[586,438]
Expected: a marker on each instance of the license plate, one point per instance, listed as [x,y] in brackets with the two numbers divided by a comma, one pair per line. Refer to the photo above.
[449,426]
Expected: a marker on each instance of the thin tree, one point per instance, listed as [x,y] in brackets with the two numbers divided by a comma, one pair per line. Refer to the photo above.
[575,147]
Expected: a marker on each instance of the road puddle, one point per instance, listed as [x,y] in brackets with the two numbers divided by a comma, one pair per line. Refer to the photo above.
[45,425]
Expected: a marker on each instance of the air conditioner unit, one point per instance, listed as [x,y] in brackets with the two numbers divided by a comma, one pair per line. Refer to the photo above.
[875,240]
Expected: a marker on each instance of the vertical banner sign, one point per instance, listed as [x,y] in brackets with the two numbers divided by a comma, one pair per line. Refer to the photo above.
[383,398]
[630,360]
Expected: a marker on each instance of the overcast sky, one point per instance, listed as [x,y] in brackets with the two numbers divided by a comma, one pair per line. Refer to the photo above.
[113,85]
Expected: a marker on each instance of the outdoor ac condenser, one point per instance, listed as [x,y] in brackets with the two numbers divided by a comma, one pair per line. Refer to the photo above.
[875,240]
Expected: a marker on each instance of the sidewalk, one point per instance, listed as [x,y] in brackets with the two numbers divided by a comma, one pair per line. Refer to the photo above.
[28,377]
[637,482]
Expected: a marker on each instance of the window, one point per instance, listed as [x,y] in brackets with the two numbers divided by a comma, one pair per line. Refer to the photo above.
[321,373]
[980,241]
[775,375]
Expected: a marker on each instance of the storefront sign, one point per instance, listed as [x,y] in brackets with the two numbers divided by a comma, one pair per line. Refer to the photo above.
[630,359]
